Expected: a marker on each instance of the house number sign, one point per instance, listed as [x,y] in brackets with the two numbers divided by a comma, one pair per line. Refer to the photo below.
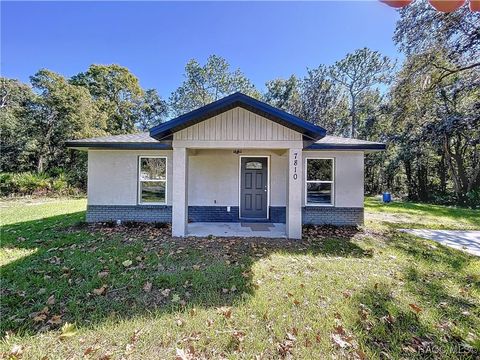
[295,163]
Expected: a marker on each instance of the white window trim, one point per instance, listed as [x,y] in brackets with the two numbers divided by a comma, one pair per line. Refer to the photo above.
[139,190]
[332,203]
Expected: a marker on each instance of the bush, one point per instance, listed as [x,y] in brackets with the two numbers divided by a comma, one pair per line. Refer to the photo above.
[29,183]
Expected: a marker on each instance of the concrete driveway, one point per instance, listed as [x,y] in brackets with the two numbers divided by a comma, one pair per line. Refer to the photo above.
[468,241]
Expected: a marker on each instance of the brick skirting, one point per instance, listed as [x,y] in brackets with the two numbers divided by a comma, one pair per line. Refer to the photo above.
[140,213]
[326,215]
[212,214]
[220,214]
[315,215]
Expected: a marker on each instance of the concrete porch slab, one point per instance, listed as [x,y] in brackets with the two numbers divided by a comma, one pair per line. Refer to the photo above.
[220,229]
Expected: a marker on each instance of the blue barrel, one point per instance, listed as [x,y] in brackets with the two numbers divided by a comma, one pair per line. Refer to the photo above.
[387,197]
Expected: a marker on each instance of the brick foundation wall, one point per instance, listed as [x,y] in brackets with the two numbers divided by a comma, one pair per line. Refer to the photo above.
[141,213]
[315,215]
[339,216]
[220,214]
[212,214]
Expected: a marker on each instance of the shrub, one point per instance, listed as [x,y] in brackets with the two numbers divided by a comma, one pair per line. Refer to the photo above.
[29,183]
[60,184]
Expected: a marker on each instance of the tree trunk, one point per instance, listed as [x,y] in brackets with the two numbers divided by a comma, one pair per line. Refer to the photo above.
[442,174]
[422,188]
[353,116]
[410,185]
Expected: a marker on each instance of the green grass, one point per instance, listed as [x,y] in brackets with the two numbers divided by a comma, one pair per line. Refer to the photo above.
[399,214]
[235,298]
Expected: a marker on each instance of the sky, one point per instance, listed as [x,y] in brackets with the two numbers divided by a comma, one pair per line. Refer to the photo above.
[266,40]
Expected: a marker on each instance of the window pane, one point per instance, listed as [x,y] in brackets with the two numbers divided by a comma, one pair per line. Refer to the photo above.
[319,193]
[253,165]
[153,169]
[319,169]
[153,192]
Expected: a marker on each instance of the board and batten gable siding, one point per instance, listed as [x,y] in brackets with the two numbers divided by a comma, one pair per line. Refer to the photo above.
[237,124]
[113,176]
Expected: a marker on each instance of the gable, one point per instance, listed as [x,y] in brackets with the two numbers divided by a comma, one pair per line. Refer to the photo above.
[309,131]
[237,124]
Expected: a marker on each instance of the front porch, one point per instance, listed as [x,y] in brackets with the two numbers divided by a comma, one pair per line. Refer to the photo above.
[238,229]
[214,188]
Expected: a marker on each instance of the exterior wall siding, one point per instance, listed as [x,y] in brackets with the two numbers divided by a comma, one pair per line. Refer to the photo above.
[238,124]
[140,213]
[323,215]
[213,177]
[113,176]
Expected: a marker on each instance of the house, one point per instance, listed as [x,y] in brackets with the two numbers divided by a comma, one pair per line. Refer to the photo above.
[236,160]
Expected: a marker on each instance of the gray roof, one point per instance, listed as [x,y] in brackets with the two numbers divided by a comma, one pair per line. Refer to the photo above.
[145,141]
[342,143]
[127,141]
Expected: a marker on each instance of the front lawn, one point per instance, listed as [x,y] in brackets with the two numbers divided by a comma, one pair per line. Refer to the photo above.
[134,292]
[403,214]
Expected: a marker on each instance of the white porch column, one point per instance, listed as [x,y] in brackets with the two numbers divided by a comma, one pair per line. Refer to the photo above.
[294,194]
[180,192]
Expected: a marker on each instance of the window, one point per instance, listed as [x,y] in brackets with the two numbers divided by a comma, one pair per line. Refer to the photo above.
[319,182]
[253,165]
[152,180]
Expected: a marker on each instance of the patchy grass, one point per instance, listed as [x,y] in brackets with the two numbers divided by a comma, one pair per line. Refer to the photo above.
[402,214]
[134,292]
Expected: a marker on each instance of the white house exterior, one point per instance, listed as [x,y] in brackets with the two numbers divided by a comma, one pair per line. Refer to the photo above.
[235,160]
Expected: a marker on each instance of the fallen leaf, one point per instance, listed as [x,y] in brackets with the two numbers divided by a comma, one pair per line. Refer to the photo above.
[88,351]
[16,351]
[103,273]
[165,292]
[40,318]
[338,340]
[51,300]
[225,311]
[67,330]
[127,263]
[188,354]
[55,320]
[147,287]
[415,308]
[100,291]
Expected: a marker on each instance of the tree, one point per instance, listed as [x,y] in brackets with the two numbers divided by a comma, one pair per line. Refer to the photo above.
[422,30]
[359,72]
[116,91]
[322,100]
[14,96]
[284,94]
[150,110]
[205,84]
[59,112]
